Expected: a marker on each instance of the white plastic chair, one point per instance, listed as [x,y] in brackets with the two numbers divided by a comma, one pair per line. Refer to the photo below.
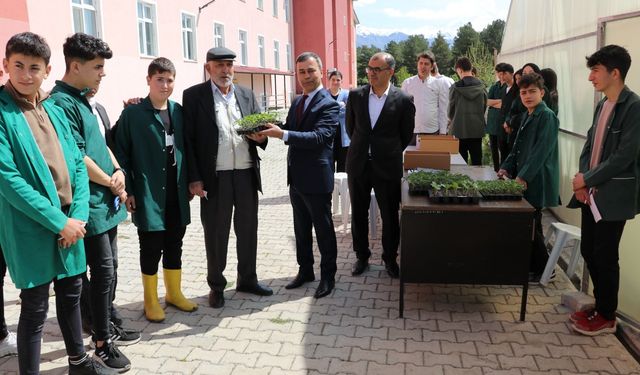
[341,198]
[563,233]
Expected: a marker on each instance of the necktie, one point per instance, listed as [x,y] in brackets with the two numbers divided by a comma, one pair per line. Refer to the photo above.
[300,109]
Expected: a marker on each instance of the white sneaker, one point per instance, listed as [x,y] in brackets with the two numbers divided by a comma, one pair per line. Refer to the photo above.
[9,345]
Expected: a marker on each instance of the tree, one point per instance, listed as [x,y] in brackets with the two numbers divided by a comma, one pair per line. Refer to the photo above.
[364,53]
[491,35]
[482,60]
[465,37]
[395,49]
[411,47]
[401,74]
[441,50]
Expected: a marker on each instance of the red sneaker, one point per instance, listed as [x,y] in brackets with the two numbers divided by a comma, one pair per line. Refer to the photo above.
[581,315]
[594,325]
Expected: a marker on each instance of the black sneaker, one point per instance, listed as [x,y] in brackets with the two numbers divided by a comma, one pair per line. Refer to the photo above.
[89,366]
[110,356]
[123,337]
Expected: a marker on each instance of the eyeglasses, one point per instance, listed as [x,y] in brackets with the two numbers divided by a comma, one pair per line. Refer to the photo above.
[376,70]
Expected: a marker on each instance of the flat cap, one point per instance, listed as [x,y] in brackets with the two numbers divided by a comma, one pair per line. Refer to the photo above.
[220,53]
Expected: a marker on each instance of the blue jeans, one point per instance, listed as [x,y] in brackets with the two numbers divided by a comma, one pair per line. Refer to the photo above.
[33,312]
[102,253]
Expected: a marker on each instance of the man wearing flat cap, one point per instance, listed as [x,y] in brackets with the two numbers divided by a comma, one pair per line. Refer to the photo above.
[224,171]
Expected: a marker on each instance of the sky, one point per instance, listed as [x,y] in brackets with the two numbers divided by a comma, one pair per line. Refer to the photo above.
[427,17]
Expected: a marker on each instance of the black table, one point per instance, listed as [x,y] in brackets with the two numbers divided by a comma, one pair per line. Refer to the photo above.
[488,243]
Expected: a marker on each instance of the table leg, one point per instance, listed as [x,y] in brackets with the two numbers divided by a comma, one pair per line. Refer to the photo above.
[401,307]
[523,305]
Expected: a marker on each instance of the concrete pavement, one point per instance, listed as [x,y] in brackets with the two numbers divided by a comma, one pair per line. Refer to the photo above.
[447,329]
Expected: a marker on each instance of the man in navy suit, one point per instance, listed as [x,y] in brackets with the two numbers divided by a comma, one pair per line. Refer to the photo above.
[309,131]
[380,120]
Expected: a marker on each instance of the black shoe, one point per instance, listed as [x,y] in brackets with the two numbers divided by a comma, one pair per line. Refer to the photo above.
[257,289]
[359,267]
[324,288]
[124,337]
[299,280]
[392,269]
[89,366]
[216,299]
[116,318]
[111,357]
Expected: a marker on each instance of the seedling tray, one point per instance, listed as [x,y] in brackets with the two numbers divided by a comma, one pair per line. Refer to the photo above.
[454,199]
[502,197]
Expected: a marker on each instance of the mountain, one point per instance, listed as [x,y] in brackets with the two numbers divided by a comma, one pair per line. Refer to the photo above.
[371,37]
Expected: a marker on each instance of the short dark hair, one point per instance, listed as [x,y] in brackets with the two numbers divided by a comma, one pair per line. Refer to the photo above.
[463,63]
[504,67]
[387,57]
[611,57]
[160,65]
[80,46]
[426,55]
[28,44]
[550,78]
[536,68]
[304,56]
[531,79]
[335,72]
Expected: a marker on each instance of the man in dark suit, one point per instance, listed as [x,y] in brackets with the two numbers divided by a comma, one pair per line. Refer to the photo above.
[380,121]
[224,171]
[310,129]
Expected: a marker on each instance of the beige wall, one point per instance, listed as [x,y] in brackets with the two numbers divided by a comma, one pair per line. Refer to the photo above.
[558,35]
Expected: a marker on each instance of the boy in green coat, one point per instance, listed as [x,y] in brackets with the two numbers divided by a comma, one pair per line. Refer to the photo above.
[44,194]
[150,146]
[85,57]
[534,162]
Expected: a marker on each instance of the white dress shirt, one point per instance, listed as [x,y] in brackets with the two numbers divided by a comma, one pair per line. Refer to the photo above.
[233,149]
[431,98]
[376,103]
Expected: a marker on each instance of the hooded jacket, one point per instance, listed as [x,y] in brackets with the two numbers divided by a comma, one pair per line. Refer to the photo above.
[467,104]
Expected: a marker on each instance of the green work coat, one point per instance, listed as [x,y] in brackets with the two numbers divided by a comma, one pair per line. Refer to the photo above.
[103,215]
[140,150]
[617,178]
[495,118]
[534,157]
[30,212]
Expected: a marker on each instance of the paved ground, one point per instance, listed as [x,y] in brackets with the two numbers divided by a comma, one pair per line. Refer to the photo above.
[447,329]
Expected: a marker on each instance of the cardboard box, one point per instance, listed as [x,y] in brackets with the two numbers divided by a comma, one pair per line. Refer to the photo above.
[437,143]
[425,159]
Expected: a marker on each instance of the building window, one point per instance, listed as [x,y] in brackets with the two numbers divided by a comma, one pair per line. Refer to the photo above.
[285,5]
[147,29]
[242,37]
[188,37]
[218,35]
[261,49]
[275,8]
[260,4]
[288,57]
[85,17]
[276,54]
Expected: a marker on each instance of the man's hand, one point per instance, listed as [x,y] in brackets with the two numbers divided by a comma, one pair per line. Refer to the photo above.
[522,182]
[502,173]
[257,137]
[73,231]
[507,128]
[130,203]
[131,101]
[117,182]
[578,181]
[582,195]
[197,188]
[273,131]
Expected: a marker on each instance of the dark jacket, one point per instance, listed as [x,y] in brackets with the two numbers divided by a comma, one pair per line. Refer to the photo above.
[467,103]
[310,156]
[495,116]
[534,157]
[201,132]
[388,138]
[617,178]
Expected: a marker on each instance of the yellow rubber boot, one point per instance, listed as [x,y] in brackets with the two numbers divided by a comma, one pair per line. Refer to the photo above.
[152,309]
[174,297]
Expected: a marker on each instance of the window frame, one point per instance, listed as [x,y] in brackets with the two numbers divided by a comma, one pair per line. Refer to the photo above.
[97,9]
[154,22]
[244,47]
[193,30]
[276,54]
[261,52]
[215,36]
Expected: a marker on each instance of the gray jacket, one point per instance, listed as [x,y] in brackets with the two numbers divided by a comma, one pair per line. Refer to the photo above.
[467,104]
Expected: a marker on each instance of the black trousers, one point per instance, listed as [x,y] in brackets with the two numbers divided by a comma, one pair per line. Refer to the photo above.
[3,271]
[599,247]
[340,157]
[235,193]
[499,150]
[388,197]
[471,147]
[33,312]
[165,244]
[314,210]
[539,253]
